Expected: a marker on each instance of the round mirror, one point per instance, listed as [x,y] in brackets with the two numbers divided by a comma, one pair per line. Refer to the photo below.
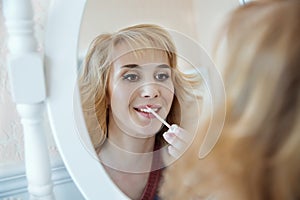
[68,35]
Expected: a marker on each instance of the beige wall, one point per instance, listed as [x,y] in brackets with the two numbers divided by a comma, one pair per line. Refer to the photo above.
[195,18]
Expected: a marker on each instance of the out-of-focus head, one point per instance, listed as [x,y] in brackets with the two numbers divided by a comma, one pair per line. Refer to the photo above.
[257,155]
[262,80]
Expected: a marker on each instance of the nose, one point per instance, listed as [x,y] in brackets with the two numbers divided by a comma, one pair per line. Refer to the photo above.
[149,91]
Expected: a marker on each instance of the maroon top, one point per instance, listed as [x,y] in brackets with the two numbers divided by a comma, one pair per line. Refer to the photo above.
[152,185]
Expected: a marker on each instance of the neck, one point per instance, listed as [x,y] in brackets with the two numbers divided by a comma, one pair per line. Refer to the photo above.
[128,142]
[131,144]
[126,153]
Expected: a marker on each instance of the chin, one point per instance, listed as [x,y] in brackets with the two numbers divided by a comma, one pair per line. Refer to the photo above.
[147,133]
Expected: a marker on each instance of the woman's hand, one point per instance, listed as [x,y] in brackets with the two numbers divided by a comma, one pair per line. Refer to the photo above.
[178,140]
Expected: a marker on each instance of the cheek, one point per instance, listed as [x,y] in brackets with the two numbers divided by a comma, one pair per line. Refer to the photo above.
[118,96]
[169,96]
[121,95]
[119,102]
[170,90]
[168,93]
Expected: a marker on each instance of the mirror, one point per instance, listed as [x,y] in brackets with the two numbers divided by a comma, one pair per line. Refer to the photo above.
[66,47]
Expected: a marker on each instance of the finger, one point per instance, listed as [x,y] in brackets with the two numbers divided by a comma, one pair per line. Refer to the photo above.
[169,137]
[173,152]
[181,133]
[174,141]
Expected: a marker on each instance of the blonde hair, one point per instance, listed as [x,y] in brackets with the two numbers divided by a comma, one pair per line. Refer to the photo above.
[257,155]
[93,80]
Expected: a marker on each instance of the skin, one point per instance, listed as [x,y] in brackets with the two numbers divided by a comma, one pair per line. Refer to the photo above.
[134,83]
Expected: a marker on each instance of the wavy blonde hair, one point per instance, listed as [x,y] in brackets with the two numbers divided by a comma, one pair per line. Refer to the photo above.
[93,78]
[257,156]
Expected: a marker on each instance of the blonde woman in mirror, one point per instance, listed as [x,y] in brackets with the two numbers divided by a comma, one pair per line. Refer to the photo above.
[125,77]
[257,156]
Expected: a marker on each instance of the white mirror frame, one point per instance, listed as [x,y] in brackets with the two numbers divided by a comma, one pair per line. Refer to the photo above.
[61,44]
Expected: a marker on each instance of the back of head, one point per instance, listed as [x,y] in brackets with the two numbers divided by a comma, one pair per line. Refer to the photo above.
[257,155]
[262,81]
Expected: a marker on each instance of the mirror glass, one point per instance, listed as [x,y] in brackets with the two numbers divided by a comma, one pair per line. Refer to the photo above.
[102,16]
[178,17]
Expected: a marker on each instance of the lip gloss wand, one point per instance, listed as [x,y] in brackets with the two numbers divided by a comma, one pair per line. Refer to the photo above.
[159,117]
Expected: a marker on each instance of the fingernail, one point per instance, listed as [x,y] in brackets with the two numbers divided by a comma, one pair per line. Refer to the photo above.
[169,137]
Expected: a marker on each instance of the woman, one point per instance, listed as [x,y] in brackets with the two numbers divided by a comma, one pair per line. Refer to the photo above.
[125,74]
[257,155]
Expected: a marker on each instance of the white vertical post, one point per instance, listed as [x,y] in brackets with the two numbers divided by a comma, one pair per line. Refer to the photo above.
[26,74]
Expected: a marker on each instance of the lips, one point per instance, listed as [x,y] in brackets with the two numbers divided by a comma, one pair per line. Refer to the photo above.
[143,109]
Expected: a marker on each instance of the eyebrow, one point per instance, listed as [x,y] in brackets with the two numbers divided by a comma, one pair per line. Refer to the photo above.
[163,66]
[138,66]
[130,66]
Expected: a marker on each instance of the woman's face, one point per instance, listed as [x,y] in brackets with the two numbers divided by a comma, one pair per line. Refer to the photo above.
[134,83]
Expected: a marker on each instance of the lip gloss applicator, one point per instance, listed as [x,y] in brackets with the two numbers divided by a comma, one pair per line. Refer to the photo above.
[158,117]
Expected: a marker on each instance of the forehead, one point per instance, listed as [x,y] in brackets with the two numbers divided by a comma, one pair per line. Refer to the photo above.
[123,54]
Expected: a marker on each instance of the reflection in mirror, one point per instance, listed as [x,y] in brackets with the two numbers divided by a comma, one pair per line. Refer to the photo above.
[145,60]
[123,76]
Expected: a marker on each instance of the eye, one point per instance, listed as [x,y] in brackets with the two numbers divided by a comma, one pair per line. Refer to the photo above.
[131,77]
[161,76]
